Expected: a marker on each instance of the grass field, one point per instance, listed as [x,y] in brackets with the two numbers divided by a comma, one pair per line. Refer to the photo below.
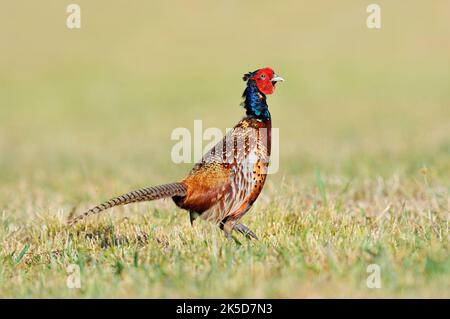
[364,120]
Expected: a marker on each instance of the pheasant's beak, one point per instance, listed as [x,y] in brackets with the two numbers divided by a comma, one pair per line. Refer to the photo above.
[277,78]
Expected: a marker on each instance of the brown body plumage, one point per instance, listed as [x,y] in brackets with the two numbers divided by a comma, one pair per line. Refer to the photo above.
[222,187]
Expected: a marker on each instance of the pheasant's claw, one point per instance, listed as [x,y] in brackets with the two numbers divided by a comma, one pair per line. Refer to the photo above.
[244,230]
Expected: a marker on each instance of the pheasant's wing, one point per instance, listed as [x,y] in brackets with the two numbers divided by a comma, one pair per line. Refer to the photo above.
[248,138]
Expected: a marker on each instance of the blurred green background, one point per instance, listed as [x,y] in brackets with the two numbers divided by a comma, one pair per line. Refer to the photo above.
[111,92]
[87,113]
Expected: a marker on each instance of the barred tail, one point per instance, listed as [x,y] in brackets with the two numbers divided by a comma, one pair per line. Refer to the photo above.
[140,195]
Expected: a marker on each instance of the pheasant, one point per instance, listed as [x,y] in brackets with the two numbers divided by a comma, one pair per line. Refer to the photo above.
[228,179]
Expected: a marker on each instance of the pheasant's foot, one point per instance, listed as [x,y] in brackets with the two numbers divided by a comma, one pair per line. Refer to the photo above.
[245,231]
[228,228]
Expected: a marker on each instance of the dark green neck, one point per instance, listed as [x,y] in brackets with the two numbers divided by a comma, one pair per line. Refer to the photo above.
[255,102]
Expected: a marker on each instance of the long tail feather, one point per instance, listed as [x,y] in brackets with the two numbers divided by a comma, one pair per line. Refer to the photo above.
[140,195]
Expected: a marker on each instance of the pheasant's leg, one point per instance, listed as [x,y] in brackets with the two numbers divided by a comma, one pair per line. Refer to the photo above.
[227,228]
[192,217]
[244,230]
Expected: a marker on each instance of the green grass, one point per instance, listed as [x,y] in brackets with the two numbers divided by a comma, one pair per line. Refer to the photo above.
[364,148]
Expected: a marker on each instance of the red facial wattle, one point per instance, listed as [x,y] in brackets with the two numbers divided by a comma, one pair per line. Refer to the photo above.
[263,80]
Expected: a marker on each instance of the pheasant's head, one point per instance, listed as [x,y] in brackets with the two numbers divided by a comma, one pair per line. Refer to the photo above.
[265,79]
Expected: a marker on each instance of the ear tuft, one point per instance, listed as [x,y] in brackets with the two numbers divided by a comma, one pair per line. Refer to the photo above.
[248,75]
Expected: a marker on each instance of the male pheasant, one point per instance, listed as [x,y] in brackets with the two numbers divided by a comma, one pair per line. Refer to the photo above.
[226,182]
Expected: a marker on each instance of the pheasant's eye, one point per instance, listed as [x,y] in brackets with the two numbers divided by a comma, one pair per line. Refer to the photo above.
[262,76]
